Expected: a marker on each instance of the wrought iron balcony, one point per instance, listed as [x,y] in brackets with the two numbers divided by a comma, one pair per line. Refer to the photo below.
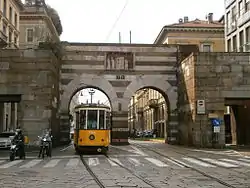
[3,39]
[229,2]
[139,110]
[244,18]
[153,103]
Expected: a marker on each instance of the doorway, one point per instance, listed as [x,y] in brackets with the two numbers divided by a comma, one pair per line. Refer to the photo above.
[237,122]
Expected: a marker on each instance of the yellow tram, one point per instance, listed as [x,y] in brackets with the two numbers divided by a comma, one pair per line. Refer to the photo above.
[92,127]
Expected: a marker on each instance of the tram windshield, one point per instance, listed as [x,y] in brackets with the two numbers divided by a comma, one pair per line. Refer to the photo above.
[92,119]
[101,119]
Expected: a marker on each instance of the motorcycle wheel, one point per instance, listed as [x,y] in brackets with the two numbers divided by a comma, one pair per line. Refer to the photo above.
[12,156]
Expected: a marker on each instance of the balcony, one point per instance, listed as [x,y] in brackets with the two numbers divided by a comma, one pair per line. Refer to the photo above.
[229,2]
[3,39]
[244,18]
[153,103]
[139,110]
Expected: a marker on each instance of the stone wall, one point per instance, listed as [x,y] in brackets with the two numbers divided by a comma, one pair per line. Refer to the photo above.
[211,77]
[35,75]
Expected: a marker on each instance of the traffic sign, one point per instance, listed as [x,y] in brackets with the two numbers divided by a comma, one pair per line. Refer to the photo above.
[201,107]
[216,122]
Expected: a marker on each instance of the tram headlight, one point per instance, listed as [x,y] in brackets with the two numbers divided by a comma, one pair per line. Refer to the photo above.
[91,137]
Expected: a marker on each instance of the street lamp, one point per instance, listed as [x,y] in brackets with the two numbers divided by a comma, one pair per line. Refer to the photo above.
[91,92]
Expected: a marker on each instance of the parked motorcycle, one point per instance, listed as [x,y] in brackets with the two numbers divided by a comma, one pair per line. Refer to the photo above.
[45,146]
[15,150]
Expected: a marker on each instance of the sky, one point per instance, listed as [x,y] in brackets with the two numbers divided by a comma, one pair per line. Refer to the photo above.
[93,20]
[98,96]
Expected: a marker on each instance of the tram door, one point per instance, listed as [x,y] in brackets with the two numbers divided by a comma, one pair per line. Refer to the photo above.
[76,132]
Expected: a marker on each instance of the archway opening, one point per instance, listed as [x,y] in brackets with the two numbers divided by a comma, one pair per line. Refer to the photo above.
[86,95]
[149,114]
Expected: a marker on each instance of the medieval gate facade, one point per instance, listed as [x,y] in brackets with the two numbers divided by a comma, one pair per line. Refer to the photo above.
[119,70]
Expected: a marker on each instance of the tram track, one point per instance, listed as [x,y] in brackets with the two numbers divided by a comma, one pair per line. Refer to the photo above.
[100,183]
[185,165]
[133,173]
[91,172]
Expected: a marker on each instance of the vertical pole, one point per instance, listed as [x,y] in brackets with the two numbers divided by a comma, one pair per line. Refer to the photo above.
[134,117]
[120,38]
[130,37]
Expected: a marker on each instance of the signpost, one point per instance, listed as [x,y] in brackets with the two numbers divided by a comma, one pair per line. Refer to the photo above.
[201,107]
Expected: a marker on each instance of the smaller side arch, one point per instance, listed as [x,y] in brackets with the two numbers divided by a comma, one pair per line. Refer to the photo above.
[157,82]
[161,84]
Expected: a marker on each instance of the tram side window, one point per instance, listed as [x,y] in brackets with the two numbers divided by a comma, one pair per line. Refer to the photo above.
[101,119]
[92,119]
[77,120]
[82,119]
[108,120]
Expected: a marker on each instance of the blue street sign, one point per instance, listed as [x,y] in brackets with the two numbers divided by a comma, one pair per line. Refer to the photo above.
[216,122]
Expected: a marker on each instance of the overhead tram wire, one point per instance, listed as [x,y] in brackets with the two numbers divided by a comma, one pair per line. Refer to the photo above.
[117,19]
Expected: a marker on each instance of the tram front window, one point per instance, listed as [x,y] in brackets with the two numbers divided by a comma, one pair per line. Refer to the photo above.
[92,119]
[101,119]
[82,119]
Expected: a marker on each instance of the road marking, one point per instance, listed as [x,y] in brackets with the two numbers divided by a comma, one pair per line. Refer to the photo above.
[114,161]
[171,161]
[219,163]
[52,163]
[134,161]
[72,163]
[31,163]
[67,147]
[236,162]
[156,162]
[182,163]
[10,164]
[138,151]
[192,160]
[93,161]
[245,160]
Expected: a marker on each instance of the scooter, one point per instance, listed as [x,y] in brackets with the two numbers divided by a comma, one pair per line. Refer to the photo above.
[45,144]
[15,150]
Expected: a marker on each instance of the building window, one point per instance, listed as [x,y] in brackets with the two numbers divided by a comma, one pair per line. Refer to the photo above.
[15,19]
[241,10]
[248,39]
[234,43]
[229,49]
[241,41]
[247,6]
[4,8]
[10,15]
[206,48]
[30,35]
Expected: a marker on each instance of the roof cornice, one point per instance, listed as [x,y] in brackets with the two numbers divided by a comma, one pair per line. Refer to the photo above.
[165,29]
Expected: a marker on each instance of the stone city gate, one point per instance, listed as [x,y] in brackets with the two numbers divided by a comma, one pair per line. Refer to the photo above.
[119,70]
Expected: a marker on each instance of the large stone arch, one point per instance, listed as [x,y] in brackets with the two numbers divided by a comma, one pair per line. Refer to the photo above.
[160,83]
[84,81]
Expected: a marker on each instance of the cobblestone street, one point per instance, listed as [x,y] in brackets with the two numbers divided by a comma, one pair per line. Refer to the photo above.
[141,164]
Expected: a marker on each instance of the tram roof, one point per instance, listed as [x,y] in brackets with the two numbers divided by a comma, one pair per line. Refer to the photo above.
[93,105]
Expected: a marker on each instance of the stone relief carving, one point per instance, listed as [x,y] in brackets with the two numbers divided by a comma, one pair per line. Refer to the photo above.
[119,61]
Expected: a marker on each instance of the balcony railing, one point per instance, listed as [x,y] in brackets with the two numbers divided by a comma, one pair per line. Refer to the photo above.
[244,18]
[229,2]
[139,110]
[153,103]
[3,38]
